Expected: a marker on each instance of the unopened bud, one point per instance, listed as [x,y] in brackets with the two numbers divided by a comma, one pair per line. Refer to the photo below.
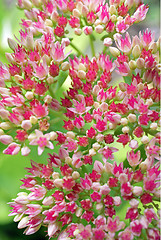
[23,222]
[29,42]
[132,65]
[125,129]
[136,51]
[124,121]
[112,9]
[96,146]
[55,175]
[153,47]
[123,178]
[76,13]
[99,206]
[149,102]
[70,134]
[65,66]
[78,31]
[33,120]
[25,151]
[27,4]
[53,136]
[1,132]
[31,137]
[58,183]
[140,86]
[111,126]
[117,201]
[50,80]
[99,29]
[107,42]
[100,137]
[75,175]
[153,126]
[26,124]
[123,86]
[113,18]
[48,201]
[96,105]
[137,191]
[5,125]
[140,62]
[159,43]
[92,152]
[78,212]
[12,44]
[68,160]
[119,19]
[114,51]
[48,22]
[82,74]
[29,95]
[9,57]
[145,139]
[131,118]
[18,78]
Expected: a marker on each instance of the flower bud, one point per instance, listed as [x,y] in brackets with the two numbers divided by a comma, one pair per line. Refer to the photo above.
[76,13]
[75,175]
[88,30]
[108,167]
[6,125]
[78,31]
[25,151]
[9,57]
[136,51]
[1,132]
[145,139]
[27,4]
[113,18]
[96,105]
[117,200]
[96,186]
[92,152]
[65,66]
[134,203]
[82,67]
[18,78]
[96,89]
[114,51]
[125,129]
[100,137]
[99,29]
[99,206]
[31,137]
[153,126]
[140,86]
[123,86]
[78,212]
[12,44]
[82,74]
[23,222]
[26,124]
[96,146]
[48,201]
[140,62]
[4,114]
[137,191]
[55,175]
[132,65]
[68,160]
[112,9]
[131,118]
[123,178]
[33,120]
[153,47]
[29,95]
[98,167]
[50,80]
[107,42]
[48,22]
[58,183]
[104,107]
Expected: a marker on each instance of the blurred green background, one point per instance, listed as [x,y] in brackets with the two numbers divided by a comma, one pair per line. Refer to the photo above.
[12,167]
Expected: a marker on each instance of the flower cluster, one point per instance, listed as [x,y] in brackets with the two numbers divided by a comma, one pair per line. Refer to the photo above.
[81,191]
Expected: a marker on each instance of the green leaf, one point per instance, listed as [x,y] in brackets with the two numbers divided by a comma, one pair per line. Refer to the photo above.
[128,80]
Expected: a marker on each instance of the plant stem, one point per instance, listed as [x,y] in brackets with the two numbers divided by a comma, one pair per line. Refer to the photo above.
[92,45]
[75,48]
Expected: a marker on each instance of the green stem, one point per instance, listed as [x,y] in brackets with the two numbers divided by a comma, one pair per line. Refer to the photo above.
[92,44]
[75,48]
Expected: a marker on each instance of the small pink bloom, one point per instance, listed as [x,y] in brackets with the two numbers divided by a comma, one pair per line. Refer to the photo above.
[12,149]
[133,158]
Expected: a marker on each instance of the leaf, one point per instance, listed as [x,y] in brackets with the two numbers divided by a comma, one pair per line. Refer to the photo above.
[128,80]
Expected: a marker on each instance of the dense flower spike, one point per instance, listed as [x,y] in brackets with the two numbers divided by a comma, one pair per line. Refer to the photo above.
[79,194]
